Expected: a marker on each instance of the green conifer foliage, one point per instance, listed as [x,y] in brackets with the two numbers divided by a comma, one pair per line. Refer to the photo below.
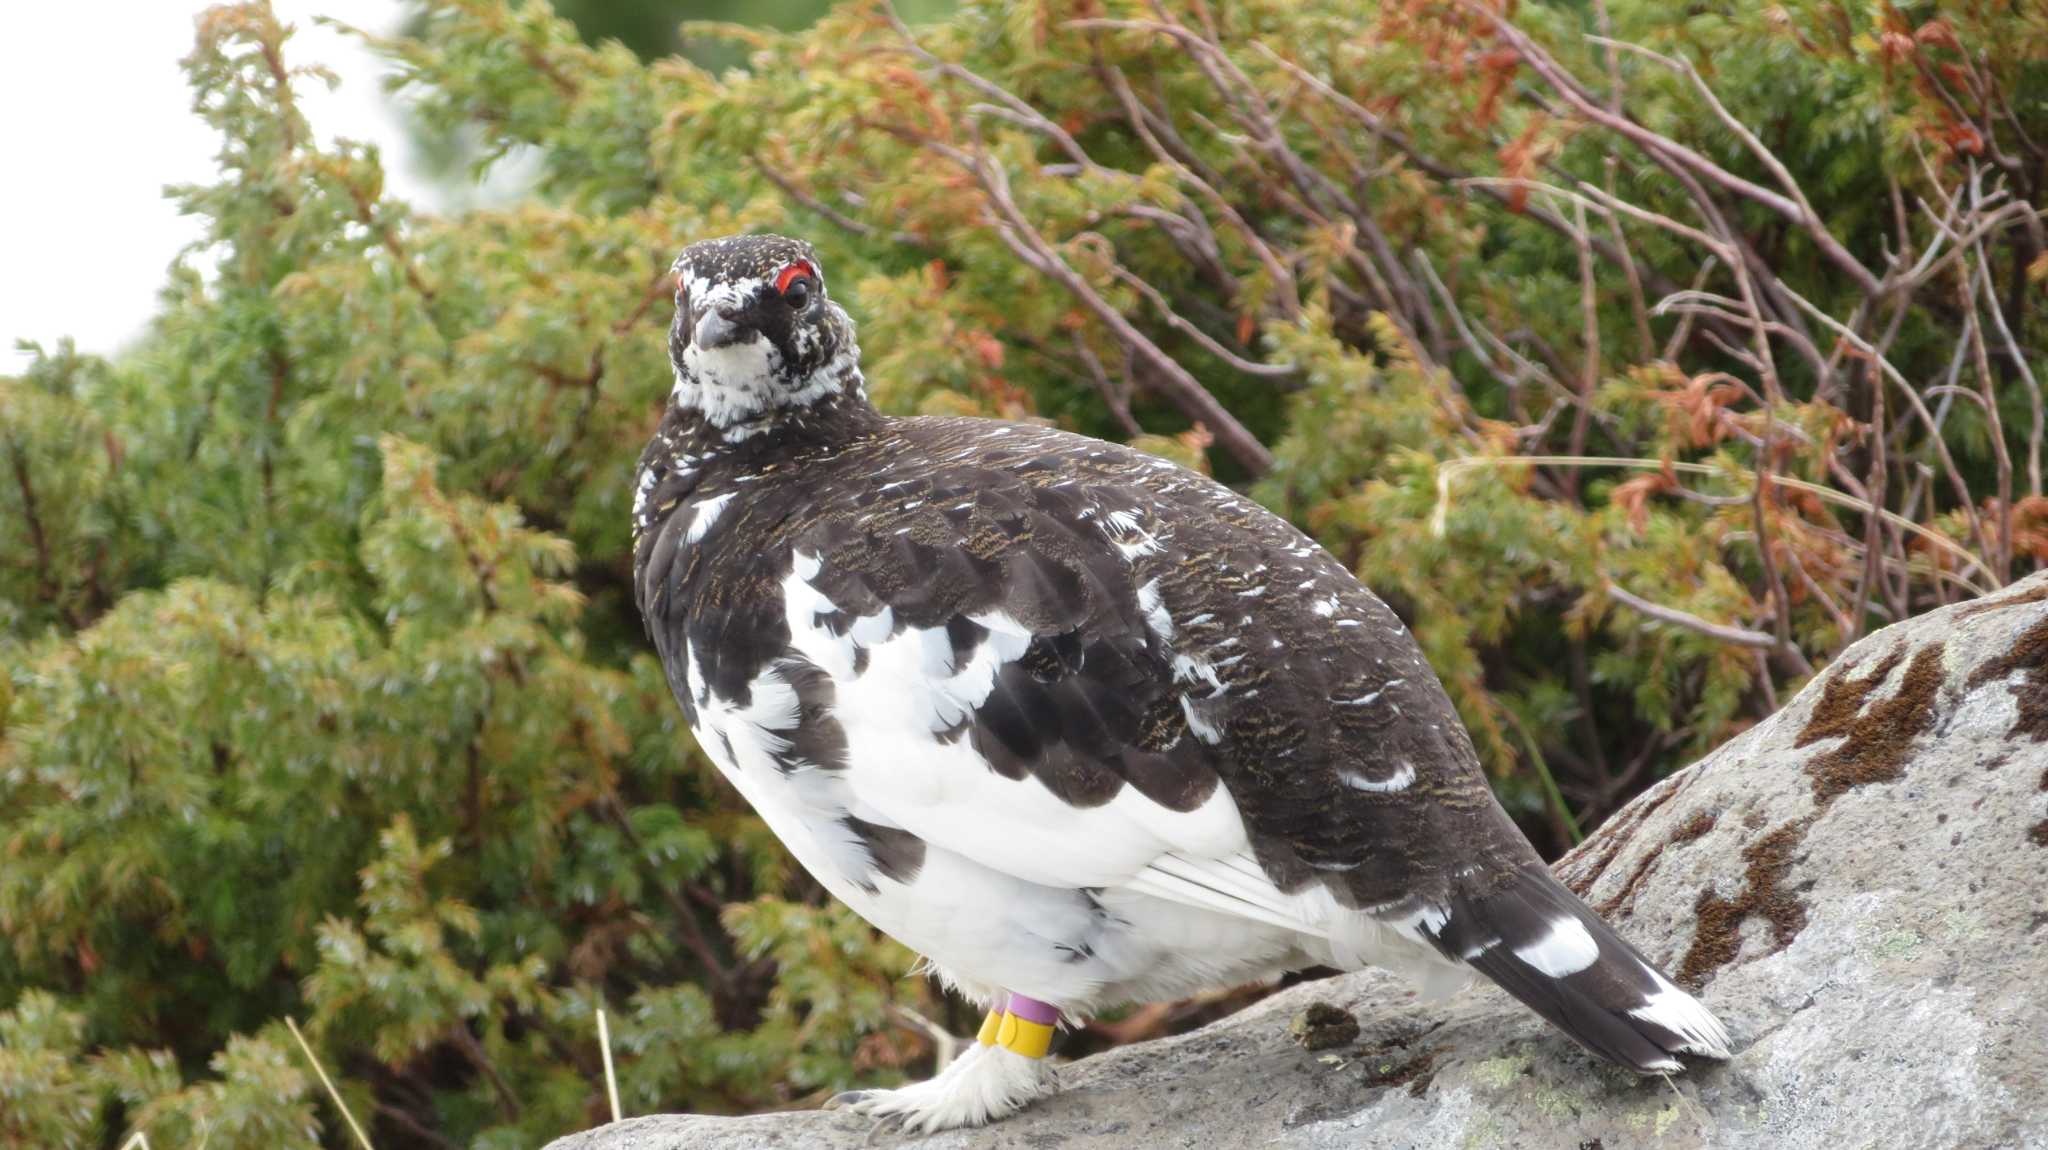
[1641,378]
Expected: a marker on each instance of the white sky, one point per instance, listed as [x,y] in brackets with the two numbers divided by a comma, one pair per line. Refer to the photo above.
[85,233]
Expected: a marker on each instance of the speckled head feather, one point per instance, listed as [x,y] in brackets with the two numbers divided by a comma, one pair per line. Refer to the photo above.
[755,333]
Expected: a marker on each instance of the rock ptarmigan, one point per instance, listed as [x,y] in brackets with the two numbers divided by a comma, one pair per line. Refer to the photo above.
[1080,725]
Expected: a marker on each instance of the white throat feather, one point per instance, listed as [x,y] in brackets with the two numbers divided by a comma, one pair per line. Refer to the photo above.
[739,388]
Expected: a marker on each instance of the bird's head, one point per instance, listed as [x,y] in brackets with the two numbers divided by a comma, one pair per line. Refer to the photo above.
[755,333]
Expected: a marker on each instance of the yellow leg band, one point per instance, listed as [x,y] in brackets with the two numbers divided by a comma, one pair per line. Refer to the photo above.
[991,1027]
[1023,1036]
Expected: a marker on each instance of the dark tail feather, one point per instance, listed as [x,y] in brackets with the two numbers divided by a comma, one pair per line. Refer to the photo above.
[1545,947]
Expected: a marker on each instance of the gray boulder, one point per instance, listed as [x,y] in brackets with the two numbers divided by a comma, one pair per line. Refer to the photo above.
[1860,884]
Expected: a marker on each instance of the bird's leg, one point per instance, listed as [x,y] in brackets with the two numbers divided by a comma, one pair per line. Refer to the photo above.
[1025,1027]
[1005,1069]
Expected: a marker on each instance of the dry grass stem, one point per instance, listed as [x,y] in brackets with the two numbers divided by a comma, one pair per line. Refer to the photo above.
[611,1078]
[362,1139]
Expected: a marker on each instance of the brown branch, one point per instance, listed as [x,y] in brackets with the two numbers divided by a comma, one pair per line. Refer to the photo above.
[788,187]
[1676,157]
[1873,523]
[1135,112]
[473,1051]
[1017,109]
[1912,394]
[686,920]
[1173,380]
[1820,594]
[279,368]
[1383,267]
[1803,215]
[2017,357]
[1192,236]
[1209,343]
[1638,308]
[1740,636]
[413,1127]
[538,61]
[1589,317]
[1781,602]
[367,215]
[1614,252]
[1117,399]
[1966,290]
[1459,324]
[658,286]
[485,573]
[271,45]
[45,570]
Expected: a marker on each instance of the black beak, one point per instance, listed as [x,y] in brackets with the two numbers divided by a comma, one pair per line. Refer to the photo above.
[718,328]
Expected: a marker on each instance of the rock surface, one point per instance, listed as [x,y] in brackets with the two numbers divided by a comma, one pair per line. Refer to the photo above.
[1860,884]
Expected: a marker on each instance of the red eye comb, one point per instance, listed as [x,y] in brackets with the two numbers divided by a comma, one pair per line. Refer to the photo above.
[789,274]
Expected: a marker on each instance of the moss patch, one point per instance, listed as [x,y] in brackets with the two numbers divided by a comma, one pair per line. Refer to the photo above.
[1700,823]
[1718,937]
[1322,1025]
[2039,834]
[1876,740]
[2028,655]
[1617,830]
[2030,595]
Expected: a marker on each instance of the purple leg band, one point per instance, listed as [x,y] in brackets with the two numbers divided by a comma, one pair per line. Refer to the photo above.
[1032,1010]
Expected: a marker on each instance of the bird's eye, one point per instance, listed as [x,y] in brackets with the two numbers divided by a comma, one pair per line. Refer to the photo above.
[794,284]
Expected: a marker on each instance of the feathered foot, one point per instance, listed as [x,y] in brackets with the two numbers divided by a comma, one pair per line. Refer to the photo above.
[1002,1073]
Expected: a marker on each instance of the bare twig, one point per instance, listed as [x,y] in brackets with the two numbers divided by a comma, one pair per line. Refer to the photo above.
[945,1047]
[1805,216]
[1637,308]
[1873,525]
[789,187]
[1039,253]
[1209,344]
[1117,399]
[1019,111]
[1966,291]
[1147,127]
[2017,357]
[404,1119]
[1912,395]
[473,1051]
[1670,154]
[1739,636]
[1589,318]
[1449,469]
